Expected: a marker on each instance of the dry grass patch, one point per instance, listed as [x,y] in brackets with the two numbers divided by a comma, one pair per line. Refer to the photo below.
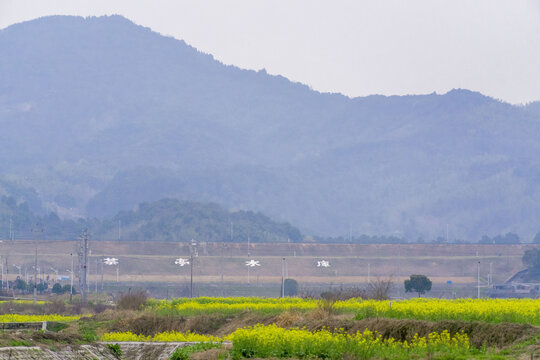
[288,318]
[132,301]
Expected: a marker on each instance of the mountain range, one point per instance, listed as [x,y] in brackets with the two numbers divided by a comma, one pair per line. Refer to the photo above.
[99,114]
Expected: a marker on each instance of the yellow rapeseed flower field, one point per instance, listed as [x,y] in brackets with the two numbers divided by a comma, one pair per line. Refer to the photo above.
[169,336]
[9,318]
[489,310]
[272,341]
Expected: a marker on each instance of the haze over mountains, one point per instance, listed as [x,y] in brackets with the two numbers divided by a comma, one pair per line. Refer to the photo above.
[100,114]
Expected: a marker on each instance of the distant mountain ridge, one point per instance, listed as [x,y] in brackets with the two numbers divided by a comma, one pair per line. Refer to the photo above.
[100,114]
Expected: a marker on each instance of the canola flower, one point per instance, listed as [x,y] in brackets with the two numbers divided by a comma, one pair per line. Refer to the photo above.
[168,336]
[9,318]
[206,305]
[488,310]
[272,341]
[39,302]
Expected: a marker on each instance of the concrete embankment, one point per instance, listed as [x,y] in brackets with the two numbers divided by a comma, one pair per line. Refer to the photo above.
[131,351]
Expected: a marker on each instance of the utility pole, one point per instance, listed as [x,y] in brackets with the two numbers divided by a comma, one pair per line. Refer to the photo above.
[222,265]
[283,277]
[478,281]
[88,272]
[36,231]
[71,278]
[102,260]
[84,263]
[97,274]
[248,268]
[7,273]
[193,251]
[399,268]
[191,276]
[3,279]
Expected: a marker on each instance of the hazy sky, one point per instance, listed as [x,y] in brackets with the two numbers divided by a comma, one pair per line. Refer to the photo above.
[350,46]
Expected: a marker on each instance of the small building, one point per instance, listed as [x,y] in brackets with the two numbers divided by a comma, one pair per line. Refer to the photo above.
[515,290]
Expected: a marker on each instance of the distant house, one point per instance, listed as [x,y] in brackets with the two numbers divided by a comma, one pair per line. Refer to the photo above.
[515,290]
[522,284]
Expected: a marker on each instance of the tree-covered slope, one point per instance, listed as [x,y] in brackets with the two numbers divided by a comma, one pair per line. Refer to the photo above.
[100,114]
[163,220]
[174,220]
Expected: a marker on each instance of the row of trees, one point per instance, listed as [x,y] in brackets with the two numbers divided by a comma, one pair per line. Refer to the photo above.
[508,238]
[27,287]
[24,287]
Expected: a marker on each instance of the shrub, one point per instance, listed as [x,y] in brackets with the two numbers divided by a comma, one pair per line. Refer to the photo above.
[20,284]
[41,287]
[290,287]
[55,307]
[132,301]
[100,307]
[327,306]
[344,294]
[184,353]
[57,289]
[115,350]
[531,259]
[379,289]
[67,289]
[88,332]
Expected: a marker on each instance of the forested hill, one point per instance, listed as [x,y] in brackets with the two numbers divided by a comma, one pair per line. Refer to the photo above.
[174,220]
[99,115]
[163,220]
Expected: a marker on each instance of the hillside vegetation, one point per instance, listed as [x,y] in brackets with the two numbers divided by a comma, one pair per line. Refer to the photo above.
[99,115]
[163,220]
[174,220]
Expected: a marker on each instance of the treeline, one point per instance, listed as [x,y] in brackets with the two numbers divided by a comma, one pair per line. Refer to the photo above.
[164,220]
[175,220]
[508,238]
[362,239]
